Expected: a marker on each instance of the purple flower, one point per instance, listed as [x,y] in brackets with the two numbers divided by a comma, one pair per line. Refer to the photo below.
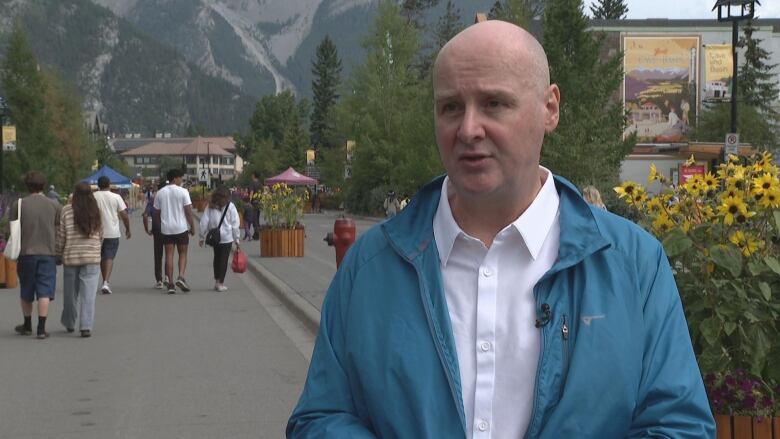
[730,381]
[709,379]
[749,402]
[747,386]
[766,402]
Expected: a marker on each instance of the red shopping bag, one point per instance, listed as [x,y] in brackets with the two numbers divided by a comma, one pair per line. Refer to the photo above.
[239,261]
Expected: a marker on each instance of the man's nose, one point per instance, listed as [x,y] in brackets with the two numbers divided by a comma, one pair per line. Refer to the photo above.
[471,128]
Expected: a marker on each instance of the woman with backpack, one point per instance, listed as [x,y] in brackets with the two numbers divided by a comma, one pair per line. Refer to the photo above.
[220,227]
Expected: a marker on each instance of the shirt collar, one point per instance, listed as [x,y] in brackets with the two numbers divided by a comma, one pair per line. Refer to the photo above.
[533,225]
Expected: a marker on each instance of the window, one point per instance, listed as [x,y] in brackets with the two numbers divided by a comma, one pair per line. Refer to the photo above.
[137,160]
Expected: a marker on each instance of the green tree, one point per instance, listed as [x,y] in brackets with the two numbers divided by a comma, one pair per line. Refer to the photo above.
[448,25]
[519,12]
[609,9]
[25,90]
[753,126]
[325,87]
[279,121]
[387,113]
[758,85]
[586,147]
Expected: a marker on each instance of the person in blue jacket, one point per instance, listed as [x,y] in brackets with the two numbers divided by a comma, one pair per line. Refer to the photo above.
[498,303]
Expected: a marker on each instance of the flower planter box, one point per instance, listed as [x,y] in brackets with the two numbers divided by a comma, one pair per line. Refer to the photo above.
[2,270]
[281,243]
[747,427]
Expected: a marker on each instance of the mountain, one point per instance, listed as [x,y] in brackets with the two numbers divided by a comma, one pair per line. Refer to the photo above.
[166,65]
[135,83]
[264,46]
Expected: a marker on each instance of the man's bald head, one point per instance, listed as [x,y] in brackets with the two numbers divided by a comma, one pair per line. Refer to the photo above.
[506,42]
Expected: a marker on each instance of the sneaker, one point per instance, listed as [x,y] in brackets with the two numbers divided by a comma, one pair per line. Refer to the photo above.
[105,289]
[23,330]
[69,330]
[171,289]
[159,285]
[86,333]
[181,283]
[42,334]
[222,288]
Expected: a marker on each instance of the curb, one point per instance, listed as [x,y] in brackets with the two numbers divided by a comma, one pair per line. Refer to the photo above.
[290,298]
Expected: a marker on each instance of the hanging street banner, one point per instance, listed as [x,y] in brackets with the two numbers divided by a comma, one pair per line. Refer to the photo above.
[659,87]
[9,138]
[718,67]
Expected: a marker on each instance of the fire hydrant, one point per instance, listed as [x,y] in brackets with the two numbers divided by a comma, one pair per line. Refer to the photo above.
[342,237]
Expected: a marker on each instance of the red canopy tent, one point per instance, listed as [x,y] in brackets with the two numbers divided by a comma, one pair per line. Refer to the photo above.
[292,178]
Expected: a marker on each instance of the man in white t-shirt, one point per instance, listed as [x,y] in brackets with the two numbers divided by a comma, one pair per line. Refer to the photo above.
[112,208]
[175,209]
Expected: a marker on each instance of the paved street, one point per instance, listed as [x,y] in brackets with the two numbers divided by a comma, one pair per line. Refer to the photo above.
[195,365]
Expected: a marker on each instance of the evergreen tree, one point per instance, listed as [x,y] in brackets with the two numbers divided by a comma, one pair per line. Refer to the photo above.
[278,121]
[325,85]
[586,147]
[448,25]
[25,90]
[519,12]
[387,113]
[413,11]
[758,85]
[609,9]
[753,126]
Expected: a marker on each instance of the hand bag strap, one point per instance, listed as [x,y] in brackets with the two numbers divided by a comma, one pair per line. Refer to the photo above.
[219,226]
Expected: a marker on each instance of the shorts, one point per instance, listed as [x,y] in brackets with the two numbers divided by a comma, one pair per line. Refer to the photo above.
[109,248]
[37,277]
[178,239]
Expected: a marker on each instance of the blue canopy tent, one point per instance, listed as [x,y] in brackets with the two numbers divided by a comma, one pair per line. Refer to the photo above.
[117,180]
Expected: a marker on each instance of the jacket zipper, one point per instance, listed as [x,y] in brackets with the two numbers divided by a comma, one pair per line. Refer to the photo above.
[565,335]
[538,365]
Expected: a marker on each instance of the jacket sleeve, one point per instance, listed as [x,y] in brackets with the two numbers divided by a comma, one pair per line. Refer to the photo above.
[235,222]
[204,224]
[326,408]
[672,402]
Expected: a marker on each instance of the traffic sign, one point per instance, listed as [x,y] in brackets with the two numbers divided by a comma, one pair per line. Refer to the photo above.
[203,174]
[732,143]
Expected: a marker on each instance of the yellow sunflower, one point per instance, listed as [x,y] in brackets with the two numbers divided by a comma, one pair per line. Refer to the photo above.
[765,182]
[662,223]
[745,242]
[653,175]
[710,182]
[733,208]
[770,199]
[627,189]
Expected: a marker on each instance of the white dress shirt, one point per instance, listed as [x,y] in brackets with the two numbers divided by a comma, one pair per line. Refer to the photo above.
[492,308]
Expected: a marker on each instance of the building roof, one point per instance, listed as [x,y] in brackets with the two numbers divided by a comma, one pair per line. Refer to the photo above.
[121,145]
[196,146]
[670,24]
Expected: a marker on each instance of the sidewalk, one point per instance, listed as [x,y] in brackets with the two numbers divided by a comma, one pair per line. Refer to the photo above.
[301,283]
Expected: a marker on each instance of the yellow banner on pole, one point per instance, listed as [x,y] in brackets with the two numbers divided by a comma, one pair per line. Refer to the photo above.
[718,68]
[9,138]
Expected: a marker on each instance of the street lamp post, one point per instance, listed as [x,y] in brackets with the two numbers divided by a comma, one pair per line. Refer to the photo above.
[3,110]
[743,9]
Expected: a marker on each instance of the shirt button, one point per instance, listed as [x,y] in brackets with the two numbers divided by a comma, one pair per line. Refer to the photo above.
[483,426]
[485,346]
[487,272]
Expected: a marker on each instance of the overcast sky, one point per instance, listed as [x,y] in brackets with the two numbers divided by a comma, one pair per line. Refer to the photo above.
[674,9]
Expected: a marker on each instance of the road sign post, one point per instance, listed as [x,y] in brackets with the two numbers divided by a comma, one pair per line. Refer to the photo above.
[732,145]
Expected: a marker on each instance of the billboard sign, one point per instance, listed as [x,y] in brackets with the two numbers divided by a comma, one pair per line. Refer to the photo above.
[659,87]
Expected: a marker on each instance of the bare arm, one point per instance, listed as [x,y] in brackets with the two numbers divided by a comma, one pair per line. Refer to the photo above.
[188,214]
[126,221]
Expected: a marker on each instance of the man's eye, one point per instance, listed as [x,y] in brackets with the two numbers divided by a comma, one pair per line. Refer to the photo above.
[448,108]
[493,103]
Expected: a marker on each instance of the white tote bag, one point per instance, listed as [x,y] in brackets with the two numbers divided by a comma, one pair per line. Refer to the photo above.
[14,244]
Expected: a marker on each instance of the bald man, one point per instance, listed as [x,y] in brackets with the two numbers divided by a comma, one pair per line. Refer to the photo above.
[498,303]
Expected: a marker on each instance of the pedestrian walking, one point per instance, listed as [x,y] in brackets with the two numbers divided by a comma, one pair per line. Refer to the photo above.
[499,304]
[221,214]
[151,221]
[37,264]
[112,208]
[593,196]
[391,204]
[79,250]
[249,219]
[176,224]
[53,194]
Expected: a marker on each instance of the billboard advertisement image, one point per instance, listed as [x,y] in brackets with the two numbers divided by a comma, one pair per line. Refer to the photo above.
[659,90]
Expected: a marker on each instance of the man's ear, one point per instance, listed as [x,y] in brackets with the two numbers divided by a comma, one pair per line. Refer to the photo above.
[552,97]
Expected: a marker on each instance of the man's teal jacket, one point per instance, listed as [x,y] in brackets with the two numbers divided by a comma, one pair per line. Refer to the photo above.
[384,363]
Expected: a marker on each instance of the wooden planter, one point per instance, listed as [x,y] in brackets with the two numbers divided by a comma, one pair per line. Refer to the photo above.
[747,427]
[2,270]
[281,243]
